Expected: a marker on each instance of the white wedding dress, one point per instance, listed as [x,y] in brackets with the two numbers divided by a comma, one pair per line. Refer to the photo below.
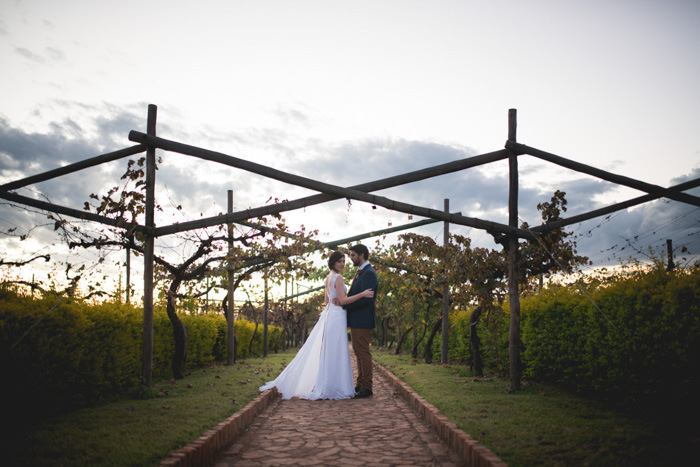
[321,369]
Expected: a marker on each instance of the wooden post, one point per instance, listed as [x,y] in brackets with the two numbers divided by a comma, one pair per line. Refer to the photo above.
[265,312]
[669,254]
[206,295]
[514,338]
[295,341]
[288,341]
[147,362]
[128,275]
[445,290]
[230,325]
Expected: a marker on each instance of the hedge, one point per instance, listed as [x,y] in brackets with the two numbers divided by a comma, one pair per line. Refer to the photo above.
[634,340]
[74,353]
[638,345]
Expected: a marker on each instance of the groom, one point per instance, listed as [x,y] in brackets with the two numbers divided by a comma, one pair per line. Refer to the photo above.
[361,318]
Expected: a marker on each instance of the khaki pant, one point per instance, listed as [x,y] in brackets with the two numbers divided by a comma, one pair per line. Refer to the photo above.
[361,339]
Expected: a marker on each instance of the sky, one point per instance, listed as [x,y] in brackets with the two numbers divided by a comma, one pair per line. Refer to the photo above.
[350,92]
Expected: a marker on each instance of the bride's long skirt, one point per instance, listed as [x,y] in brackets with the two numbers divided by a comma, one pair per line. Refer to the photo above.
[321,369]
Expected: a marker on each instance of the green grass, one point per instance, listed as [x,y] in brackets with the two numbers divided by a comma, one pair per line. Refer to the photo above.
[132,431]
[541,424]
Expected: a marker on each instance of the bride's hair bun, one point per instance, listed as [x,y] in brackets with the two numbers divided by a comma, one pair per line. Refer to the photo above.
[334,258]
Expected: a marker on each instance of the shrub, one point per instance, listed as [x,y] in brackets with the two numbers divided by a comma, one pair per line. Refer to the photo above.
[637,346]
[62,353]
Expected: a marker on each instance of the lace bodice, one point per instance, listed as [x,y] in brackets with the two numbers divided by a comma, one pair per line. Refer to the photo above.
[331,292]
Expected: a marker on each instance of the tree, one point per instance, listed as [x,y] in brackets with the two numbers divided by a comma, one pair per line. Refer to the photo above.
[555,249]
[476,276]
[192,256]
[417,278]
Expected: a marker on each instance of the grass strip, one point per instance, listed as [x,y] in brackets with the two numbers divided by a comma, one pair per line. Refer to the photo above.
[541,424]
[132,431]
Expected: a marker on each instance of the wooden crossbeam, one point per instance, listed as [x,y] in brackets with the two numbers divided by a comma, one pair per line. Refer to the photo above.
[375,233]
[333,190]
[612,208]
[93,161]
[610,177]
[51,207]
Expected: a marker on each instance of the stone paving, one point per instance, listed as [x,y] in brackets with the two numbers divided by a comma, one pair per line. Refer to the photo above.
[379,430]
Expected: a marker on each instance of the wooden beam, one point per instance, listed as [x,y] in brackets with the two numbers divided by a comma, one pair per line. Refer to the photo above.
[608,176]
[445,290]
[335,244]
[513,286]
[491,227]
[51,207]
[376,233]
[230,327]
[42,177]
[335,191]
[265,313]
[612,208]
[389,182]
[147,348]
[290,297]
[128,276]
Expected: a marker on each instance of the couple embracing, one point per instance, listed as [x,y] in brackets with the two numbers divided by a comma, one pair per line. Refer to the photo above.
[321,369]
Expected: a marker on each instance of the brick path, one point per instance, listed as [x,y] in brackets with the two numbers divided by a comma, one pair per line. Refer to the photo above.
[376,431]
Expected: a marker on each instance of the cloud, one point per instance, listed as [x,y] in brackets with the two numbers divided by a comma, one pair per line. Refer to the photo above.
[477,192]
[39,150]
[24,153]
[633,232]
[369,159]
[115,127]
[50,54]
[29,55]
[55,54]
[694,174]
[292,115]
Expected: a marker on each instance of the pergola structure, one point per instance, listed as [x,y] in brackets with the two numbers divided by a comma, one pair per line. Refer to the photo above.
[505,234]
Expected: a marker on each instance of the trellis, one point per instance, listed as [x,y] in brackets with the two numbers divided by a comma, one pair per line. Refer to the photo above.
[505,234]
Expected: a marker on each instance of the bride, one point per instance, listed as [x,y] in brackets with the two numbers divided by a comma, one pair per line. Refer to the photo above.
[321,368]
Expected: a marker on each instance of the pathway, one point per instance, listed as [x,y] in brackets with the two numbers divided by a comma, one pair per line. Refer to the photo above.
[380,430]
